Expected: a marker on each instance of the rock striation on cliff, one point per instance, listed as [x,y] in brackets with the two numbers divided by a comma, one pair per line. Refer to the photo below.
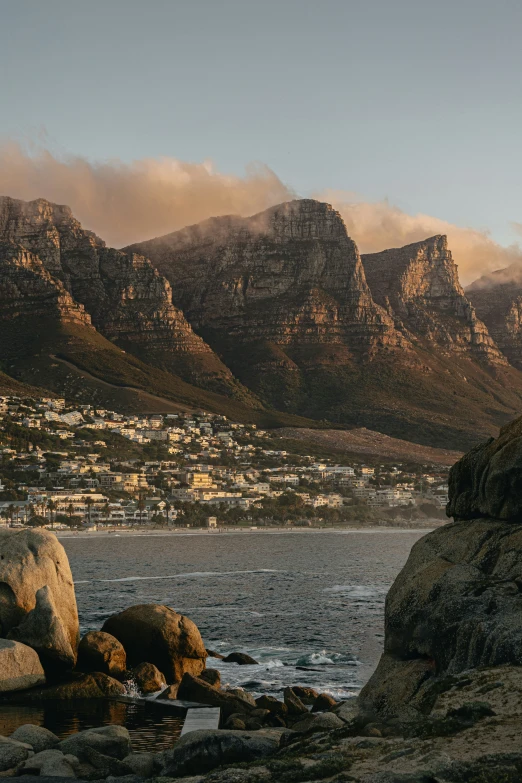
[127,300]
[419,287]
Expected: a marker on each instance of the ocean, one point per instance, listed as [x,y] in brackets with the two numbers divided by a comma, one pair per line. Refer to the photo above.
[307,605]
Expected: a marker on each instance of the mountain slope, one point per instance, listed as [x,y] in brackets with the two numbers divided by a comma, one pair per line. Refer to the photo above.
[129,302]
[283,298]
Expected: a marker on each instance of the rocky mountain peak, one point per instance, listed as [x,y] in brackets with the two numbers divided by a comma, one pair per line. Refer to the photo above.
[419,287]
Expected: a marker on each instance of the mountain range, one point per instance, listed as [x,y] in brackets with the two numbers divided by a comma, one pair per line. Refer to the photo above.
[275,319]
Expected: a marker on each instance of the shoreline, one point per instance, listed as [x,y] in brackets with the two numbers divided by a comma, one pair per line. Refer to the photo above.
[144,532]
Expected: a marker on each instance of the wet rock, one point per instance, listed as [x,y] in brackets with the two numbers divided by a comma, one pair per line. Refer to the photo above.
[171,692]
[273,705]
[307,695]
[44,631]
[241,658]
[80,686]
[214,654]
[158,634]
[13,753]
[242,694]
[194,689]
[212,676]
[201,751]
[293,703]
[37,737]
[111,741]
[20,666]
[323,702]
[148,678]
[100,652]
[30,560]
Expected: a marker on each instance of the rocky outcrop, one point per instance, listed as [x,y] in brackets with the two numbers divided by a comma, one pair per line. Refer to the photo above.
[159,635]
[29,561]
[20,667]
[128,301]
[419,287]
[456,604]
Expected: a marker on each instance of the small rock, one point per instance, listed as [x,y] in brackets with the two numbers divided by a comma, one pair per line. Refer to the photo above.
[194,689]
[214,654]
[148,678]
[272,704]
[104,764]
[326,721]
[142,764]
[307,695]
[323,702]
[294,704]
[35,736]
[242,694]
[212,676]
[235,723]
[101,652]
[241,658]
[110,740]
[170,692]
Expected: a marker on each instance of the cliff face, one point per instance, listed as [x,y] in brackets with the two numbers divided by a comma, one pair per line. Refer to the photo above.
[497,298]
[289,276]
[129,301]
[418,285]
[27,290]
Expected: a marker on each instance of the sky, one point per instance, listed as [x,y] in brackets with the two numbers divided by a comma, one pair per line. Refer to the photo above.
[394,110]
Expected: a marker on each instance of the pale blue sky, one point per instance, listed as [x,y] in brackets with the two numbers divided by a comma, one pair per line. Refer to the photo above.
[417,101]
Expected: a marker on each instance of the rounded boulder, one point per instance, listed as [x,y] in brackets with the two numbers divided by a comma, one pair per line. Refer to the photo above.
[100,652]
[159,635]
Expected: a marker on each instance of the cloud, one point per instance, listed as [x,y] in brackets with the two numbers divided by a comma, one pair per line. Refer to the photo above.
[379,225]
[130,202]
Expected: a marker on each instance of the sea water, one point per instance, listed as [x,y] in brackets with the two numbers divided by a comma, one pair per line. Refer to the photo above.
[308,606]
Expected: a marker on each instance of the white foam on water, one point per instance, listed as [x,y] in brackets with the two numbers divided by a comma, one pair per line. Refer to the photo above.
[358,591]
[188,575]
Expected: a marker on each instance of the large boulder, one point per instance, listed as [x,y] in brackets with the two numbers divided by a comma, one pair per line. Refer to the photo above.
[201,751]
[101,652]
[158,634]
[43,630]
[20,667]
[30,560]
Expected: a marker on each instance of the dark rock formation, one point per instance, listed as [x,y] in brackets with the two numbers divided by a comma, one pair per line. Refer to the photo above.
[240,658]
[198,690]
[159,635]
[148,678]
[456,604]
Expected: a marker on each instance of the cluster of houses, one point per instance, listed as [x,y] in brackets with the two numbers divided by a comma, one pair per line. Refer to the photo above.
[204,459]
